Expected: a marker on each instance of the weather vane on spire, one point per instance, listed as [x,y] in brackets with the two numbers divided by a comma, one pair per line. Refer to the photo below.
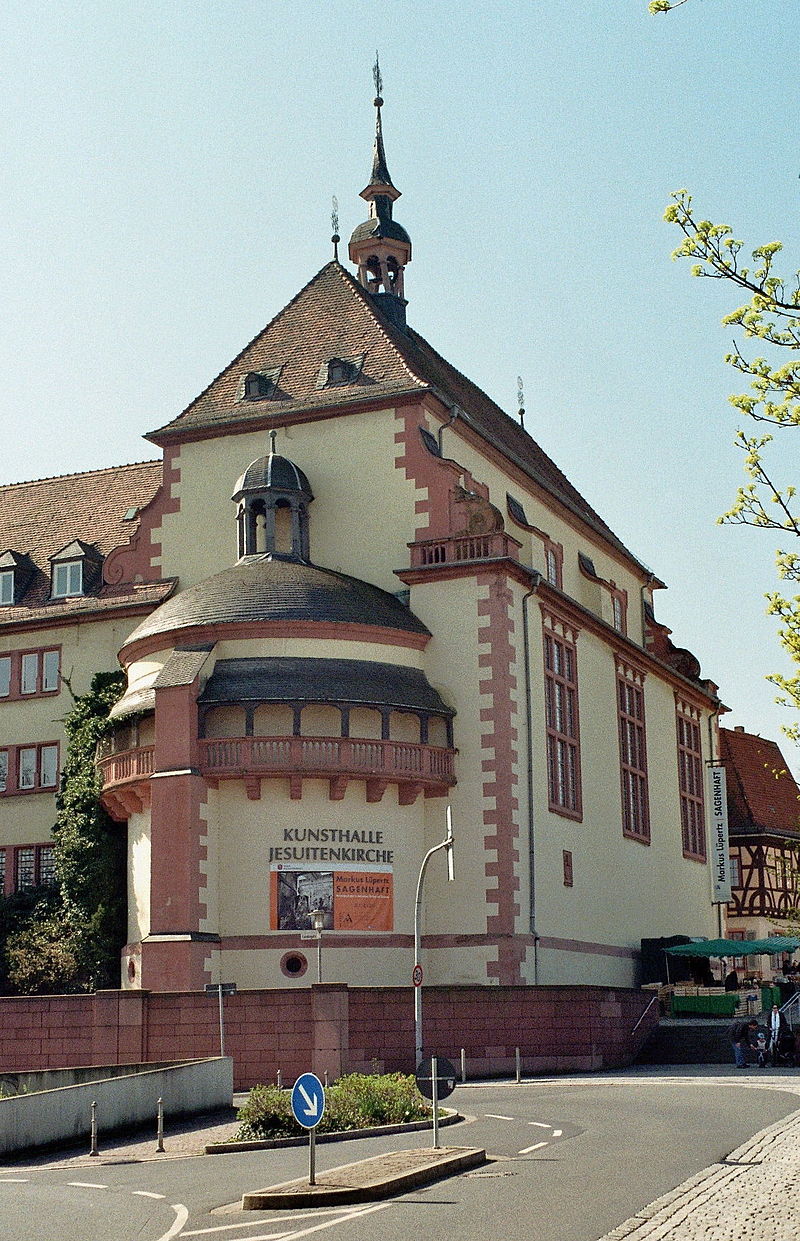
[378,80]
[335,226]
[520,401]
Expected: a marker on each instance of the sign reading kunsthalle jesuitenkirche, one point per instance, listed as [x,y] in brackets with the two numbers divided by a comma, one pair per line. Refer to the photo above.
[720,854]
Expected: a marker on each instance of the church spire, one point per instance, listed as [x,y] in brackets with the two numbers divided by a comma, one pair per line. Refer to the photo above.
[380,246]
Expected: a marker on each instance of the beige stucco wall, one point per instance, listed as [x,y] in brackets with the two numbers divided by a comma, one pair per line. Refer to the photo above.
[86,649]
[362,513]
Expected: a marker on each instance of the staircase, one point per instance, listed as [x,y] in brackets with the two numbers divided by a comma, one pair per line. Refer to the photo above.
[689,1040]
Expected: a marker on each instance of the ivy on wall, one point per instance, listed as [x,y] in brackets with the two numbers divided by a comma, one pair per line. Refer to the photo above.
[69,938]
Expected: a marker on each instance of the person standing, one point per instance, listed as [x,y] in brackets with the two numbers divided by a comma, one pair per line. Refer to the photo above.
[778,1026]
[743,1034]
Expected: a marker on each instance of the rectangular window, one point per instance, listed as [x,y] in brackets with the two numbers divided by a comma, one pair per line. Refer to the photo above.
[619,611]
[2,871]
[47,864]
[50,671]
[27,673]
[690,782]
[561,719]
[566,855]
[736,872]
[28,768]
[30,674]
[26,868]
[553,556]
[68,579]
[7,586]
[633,754]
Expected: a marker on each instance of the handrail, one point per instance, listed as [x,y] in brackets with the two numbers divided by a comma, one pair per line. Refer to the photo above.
[644,1014]
[793,1002]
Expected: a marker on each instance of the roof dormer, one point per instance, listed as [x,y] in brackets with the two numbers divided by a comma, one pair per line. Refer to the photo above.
[75,570]
[16,571]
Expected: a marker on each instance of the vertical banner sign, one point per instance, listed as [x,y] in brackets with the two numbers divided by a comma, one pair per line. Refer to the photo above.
[720,855]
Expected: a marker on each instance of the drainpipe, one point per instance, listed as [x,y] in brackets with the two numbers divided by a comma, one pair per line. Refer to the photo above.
[536,579]
[454,412]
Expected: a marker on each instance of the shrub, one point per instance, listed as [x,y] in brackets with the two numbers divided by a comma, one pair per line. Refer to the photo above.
[357,1101]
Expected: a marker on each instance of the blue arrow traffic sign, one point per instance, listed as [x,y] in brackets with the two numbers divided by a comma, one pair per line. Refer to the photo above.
[308,1100]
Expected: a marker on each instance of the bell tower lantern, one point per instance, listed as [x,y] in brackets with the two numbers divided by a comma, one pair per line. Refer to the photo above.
[380,247]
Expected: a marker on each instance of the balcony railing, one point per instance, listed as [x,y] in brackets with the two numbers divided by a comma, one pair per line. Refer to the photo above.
[221,758]
[389,760]
[427,552]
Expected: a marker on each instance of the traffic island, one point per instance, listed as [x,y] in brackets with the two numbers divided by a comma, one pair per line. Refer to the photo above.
[368,1180]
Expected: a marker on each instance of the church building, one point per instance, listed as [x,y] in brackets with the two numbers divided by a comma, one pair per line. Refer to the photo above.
[351,592]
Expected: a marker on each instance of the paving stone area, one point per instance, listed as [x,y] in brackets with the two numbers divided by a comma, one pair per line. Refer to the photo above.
[754,1195]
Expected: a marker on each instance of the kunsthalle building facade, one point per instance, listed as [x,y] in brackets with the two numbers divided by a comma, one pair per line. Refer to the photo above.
[355,591]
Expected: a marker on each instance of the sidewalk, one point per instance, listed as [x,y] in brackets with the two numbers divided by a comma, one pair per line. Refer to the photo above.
[753,1194]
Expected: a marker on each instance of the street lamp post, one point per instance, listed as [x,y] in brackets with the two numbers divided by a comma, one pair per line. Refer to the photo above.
[447,844]
[318,922]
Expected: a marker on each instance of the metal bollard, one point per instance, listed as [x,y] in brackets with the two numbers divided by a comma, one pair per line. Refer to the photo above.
[279,1080]
[463,1065]
[160,1146]
[519,1065]
[93,1149]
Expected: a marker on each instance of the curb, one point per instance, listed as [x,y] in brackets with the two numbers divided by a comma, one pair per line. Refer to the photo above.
[342,1135]
[368,1180]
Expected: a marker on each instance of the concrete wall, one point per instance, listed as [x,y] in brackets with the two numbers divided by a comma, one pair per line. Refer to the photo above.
[332,1028]
[63,1114]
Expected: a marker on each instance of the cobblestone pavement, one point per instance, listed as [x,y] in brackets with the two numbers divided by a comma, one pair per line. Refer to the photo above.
[753,1195]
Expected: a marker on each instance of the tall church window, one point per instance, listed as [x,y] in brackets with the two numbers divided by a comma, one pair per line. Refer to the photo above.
[561,722]
[690,781]
[633,753]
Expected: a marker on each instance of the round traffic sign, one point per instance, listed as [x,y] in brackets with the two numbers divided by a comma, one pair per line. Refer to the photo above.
[308,1100]
[445,1078]
[416,976]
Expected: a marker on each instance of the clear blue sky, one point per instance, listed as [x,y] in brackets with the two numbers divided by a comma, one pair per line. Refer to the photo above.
[167,173]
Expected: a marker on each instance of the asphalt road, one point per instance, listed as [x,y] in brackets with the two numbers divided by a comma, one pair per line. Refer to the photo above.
[571,1160]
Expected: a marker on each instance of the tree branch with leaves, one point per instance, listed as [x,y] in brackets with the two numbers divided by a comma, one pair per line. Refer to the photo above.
[770,315]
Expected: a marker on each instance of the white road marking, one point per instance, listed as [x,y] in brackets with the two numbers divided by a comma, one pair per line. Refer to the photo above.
[143,1193]
[259,1223]
[535,1147]
[13,1180]
[181,1216]
[331,1223]
[493,1116]
[86,1185]
[557,1133]
[539,1124]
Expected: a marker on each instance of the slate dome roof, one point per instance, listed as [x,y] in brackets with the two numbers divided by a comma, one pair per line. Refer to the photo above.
[376,227]
[272,471]
[272,588]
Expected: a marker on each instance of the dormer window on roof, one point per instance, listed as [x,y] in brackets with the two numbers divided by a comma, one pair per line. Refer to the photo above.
[338,372]
[75,570]
[259,385]
[16,571]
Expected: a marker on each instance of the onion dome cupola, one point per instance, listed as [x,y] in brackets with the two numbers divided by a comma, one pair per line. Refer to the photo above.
[381,247]
[272,498]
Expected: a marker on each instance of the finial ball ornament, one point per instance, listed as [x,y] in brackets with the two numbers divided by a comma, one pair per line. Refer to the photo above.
[378,101]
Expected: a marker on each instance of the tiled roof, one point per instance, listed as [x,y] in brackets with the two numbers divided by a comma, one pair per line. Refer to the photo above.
[354,681]
[260,588]
[762,793]
[333,316]
[40,517]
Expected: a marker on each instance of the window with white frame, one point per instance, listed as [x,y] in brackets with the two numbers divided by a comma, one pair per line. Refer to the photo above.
[561,720]
[29,768]
[6,586]
[28,673]
[67,579]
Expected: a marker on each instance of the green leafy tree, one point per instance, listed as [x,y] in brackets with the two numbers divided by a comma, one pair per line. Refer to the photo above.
[66,936]
[89,848]
[770,316]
